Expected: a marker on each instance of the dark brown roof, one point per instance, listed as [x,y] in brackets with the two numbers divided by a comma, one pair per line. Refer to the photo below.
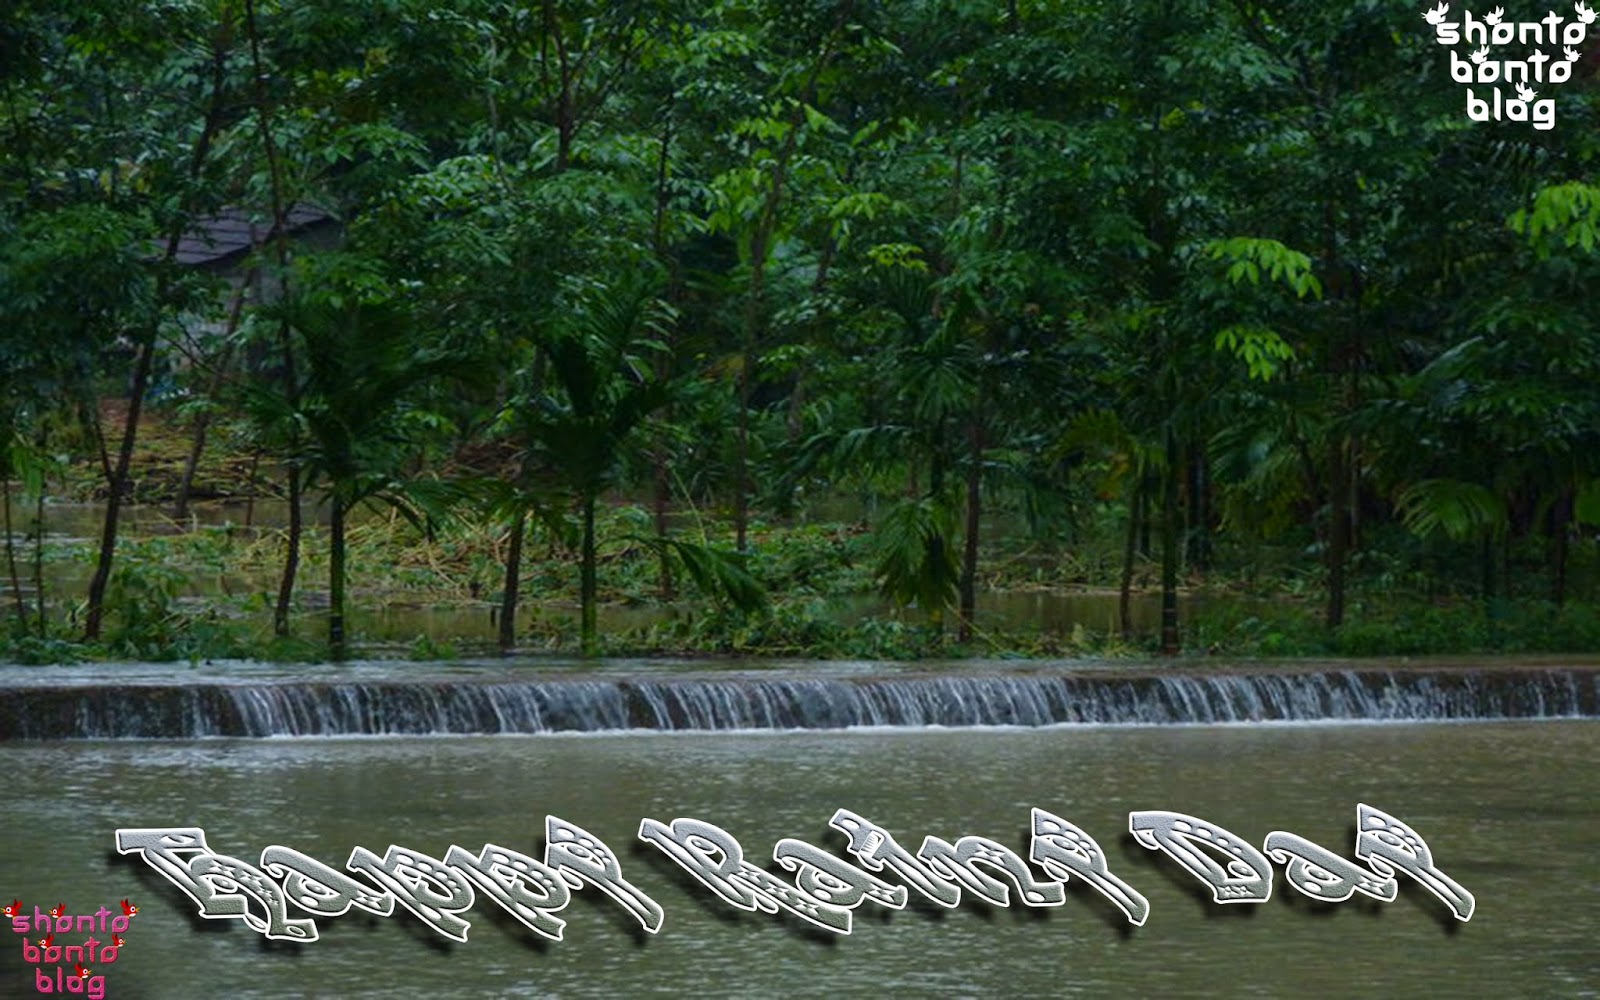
[234,232]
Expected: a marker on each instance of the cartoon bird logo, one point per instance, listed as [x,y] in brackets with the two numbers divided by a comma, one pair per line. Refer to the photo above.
[1572,54]
[1436,15]
[128,909]
[12,910]
[44,942]
[1524,94]
[58,910]
[117,941]
[1494,16]
[82,972]
[1480,55]
[1584,13]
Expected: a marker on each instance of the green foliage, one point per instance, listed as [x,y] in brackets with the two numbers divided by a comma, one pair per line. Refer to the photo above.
[1566,215]
[717,572]
[350,421]
[1586,506]
[1247,258]
[599,354]
[1455,509]
[950,263]
[916,563]
[1263,351]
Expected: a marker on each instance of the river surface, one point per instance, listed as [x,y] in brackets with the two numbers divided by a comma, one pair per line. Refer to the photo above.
[1511,811]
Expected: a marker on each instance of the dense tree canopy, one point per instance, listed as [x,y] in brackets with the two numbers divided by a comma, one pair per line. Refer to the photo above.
[1238,274]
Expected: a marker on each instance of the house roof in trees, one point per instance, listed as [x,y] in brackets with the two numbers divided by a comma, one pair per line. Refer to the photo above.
[232,233]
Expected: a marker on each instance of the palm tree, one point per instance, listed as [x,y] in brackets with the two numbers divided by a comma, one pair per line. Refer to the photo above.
[348,425]
[574,434]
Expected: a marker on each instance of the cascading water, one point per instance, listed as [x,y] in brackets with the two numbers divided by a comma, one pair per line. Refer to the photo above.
[472,705]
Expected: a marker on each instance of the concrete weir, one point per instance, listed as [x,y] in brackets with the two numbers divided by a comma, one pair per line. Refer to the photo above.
[492,702]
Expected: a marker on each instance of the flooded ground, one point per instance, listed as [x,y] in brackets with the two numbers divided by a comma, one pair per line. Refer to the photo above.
[391,619]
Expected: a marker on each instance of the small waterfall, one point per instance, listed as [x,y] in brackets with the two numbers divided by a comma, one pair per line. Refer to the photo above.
[753,701]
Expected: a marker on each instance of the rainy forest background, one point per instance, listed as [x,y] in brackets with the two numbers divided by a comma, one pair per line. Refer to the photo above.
[824,329]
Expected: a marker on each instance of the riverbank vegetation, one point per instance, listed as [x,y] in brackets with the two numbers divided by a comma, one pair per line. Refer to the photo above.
[201,591]
[806,329]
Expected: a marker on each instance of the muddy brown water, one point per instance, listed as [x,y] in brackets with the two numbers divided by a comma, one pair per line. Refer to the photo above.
[1511,811]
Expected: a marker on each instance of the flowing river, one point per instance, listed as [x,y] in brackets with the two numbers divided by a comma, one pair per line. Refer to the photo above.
[1510,808]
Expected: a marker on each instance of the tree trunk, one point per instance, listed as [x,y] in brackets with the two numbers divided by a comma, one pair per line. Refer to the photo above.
[661,455]
[1339,531]
[191,464]
[38,559]
[336,575]
[563,102]
[587,595]
[1560,517]
[969,552]
[1145,521]
[667,587]
[741,460]
[145,356]
[761,236]
[250,498]
[936,557]
[291,558]
[89,413]
[144,361]
[197,447]
[746,384]
[1170,645]
[1486,569]
[1491,609]
[1199,545]
[1130,549]
[280,234]
[11,553]
[513,583]
[936,542]
[202,420]
[1505,560]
